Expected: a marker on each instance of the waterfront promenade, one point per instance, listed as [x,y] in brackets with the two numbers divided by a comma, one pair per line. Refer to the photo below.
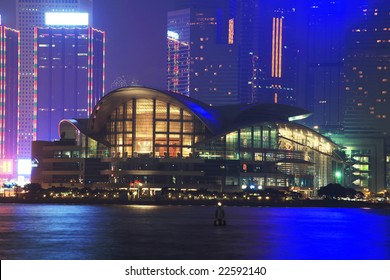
[205,202]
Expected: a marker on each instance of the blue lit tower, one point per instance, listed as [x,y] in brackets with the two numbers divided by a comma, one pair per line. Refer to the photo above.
[30,14]
[325,24]
[9,91]
[69,71]
[202,54]
[268,51]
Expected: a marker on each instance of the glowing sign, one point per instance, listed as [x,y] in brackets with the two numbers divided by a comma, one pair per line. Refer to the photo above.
[277,39]
[67,19]
[24,166]
[173,35]
[6,166]
[231,32]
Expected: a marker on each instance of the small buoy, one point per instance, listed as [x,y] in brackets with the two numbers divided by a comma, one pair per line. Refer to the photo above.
[219,216]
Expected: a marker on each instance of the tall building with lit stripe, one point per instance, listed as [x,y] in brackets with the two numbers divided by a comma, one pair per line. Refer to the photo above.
[268,51]
[202,54]
[9,92]
[367,70]
[30,14]
[69,74]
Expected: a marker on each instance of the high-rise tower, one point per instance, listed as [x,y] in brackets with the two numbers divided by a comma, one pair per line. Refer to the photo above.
[367,70]
[324,26]
[30,14]
[9,91]
[202,54]
[268,51]
[68,71]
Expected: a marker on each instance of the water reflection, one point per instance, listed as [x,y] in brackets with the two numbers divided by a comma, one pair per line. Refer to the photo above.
[187,232]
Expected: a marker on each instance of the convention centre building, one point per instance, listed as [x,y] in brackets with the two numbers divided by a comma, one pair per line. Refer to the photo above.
[138,136]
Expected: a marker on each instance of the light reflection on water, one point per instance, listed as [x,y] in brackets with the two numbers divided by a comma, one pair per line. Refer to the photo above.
[186,232]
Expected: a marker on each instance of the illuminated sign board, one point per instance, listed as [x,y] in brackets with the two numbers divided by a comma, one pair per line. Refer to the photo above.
[66,19]
[24,166]
[6,166]
[231,32]
[173,35]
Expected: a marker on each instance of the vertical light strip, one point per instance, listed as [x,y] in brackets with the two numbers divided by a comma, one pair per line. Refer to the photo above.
[276,48]
[104,62]
[2,90]
[231,31]
[4,98]
[280,47]
[273,48]
[35,97]
[89,94]
[18,117]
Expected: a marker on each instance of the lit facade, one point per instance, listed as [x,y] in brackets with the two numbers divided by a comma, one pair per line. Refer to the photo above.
[30,14]
[367,71]
[367,161]
[267,38]
[69,75]
[178,64]
[9,97]
[162,139]
[202,56]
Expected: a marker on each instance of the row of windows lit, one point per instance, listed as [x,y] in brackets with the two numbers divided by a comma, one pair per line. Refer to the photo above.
[153,128]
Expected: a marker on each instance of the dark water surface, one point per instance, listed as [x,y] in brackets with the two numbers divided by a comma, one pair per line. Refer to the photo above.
[186,232]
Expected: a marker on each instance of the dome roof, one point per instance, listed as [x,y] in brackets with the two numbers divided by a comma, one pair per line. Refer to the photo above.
[217,119]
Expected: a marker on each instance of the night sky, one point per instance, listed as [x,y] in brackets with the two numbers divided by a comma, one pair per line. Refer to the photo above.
[135,37]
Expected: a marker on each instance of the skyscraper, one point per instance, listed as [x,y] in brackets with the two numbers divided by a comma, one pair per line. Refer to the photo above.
[268,51]
[178,64]
[202,54]
[9,91]
[69,73]
[28,15]
[324,22]
[367,70]
[367,83]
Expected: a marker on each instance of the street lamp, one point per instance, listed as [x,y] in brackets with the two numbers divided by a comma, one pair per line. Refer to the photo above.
[338,176]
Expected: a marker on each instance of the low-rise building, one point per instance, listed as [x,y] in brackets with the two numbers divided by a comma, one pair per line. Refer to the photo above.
[142,137]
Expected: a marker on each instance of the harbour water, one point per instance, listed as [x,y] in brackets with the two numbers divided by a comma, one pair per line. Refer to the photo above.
[112,232]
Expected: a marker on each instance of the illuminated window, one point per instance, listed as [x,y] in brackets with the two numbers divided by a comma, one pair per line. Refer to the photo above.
[161,126]
[187,115]
[161,110]
[174,126]
[144,126]
[187,140]
[174,113]
[188,127]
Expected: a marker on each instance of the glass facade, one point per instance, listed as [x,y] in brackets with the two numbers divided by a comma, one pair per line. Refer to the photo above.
[151,128]
[275,155]
[165,140]
[75,59]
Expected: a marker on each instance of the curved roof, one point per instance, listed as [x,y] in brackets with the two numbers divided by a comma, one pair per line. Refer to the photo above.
[247,114]
[217,119]
[110,101]
[82,126]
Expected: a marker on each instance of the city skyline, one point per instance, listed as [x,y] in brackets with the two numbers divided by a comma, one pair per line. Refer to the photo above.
[145,23]
[282,52]
[134,29]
